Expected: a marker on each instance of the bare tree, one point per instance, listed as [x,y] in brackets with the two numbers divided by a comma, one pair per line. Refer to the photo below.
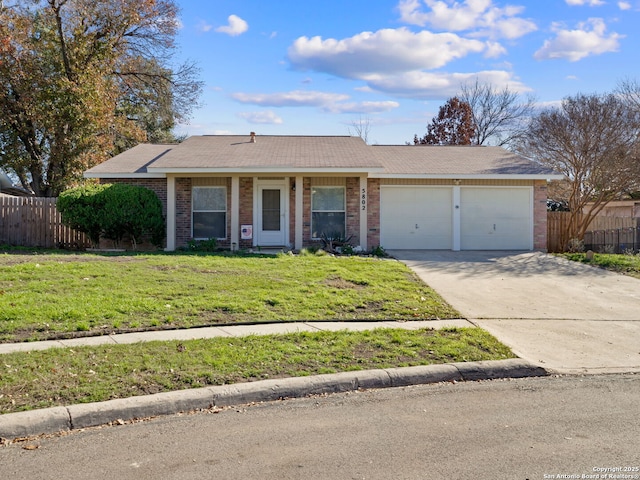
[629,89]
[500,116]
[594,141]
[453,125]
[361,128]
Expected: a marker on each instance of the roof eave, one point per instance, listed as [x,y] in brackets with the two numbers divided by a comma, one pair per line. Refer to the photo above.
[264,170]
[123,175]
[461,176]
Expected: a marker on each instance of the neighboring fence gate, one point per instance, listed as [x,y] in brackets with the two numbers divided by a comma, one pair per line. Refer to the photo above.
[35,222]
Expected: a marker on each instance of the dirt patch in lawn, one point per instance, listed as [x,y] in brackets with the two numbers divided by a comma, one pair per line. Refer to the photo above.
[342,284]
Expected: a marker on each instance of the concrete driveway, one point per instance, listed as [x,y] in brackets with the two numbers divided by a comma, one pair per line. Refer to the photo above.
[565,316]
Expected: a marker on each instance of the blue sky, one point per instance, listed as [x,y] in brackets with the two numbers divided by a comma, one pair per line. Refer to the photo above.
[300,67]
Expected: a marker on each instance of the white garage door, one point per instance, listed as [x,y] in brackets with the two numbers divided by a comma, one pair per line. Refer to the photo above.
[496,218]
[416,217]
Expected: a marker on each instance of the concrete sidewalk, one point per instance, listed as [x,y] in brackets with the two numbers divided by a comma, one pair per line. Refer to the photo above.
[565,316]
[228,331]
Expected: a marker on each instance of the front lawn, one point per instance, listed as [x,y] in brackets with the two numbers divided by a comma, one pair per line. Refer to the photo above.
[64,376]
[54,295]
[626,264]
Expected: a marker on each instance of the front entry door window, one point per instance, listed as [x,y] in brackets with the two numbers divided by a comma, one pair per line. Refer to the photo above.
[271,210]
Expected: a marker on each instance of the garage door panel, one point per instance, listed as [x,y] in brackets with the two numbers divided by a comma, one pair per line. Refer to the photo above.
[495,219]
[415,217]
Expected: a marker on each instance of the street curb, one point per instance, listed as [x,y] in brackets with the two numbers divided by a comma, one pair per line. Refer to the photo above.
[64,419]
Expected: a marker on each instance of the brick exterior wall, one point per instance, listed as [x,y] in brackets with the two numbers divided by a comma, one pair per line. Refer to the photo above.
[373,213]
[306,213]
[246,208]
[292,212]
[353,210]
[540,215]
[183,211]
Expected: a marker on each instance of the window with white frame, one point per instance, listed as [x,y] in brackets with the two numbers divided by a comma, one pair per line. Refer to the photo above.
[209,212]
[328,212]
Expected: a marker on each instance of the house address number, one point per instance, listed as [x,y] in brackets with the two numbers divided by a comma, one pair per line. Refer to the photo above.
[363,199]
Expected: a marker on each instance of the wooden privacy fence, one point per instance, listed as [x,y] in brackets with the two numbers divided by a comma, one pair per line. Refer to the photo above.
[557,223]
[36,222]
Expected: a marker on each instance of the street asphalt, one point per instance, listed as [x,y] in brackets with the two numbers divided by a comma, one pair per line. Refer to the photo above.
[557,316]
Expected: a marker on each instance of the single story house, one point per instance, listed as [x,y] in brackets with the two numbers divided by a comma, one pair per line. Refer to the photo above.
[291,191]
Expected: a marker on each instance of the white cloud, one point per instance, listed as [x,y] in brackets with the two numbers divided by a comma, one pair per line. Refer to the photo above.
[624,6]
[479,17]
[494,50]
[327,102]
[267,117]
[236,26]
[387,50]
[296,98]
[588,39]
[361,107]
[429,86]
[591,3]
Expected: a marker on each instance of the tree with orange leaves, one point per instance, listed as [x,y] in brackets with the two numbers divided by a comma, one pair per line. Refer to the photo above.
[82,80]
[453,126]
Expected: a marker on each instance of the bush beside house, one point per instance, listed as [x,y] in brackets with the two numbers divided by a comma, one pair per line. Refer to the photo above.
[114,212]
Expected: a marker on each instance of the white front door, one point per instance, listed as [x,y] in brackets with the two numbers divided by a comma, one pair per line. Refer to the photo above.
[271,213]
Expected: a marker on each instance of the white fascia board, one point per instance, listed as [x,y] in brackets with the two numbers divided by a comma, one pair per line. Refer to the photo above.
[124,175]
[471,177]
[262,170]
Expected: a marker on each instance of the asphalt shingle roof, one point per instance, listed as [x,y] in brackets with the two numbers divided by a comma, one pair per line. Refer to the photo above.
[233,152]
[268,151]
[133,161]
[454,160]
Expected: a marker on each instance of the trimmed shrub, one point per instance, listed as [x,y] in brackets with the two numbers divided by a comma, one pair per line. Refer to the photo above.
[113,211]
[81,209]
[134,211]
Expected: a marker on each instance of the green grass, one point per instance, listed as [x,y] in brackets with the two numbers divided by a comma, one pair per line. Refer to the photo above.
[53,295]
[63,376]
[626,264]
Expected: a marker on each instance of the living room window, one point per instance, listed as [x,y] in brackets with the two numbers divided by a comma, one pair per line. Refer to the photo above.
[328,212]
[209,205]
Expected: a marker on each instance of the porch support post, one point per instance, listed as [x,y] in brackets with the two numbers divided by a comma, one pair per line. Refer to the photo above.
[235,212]
[363,207]
[456,219]
[298,232]
[171,213]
